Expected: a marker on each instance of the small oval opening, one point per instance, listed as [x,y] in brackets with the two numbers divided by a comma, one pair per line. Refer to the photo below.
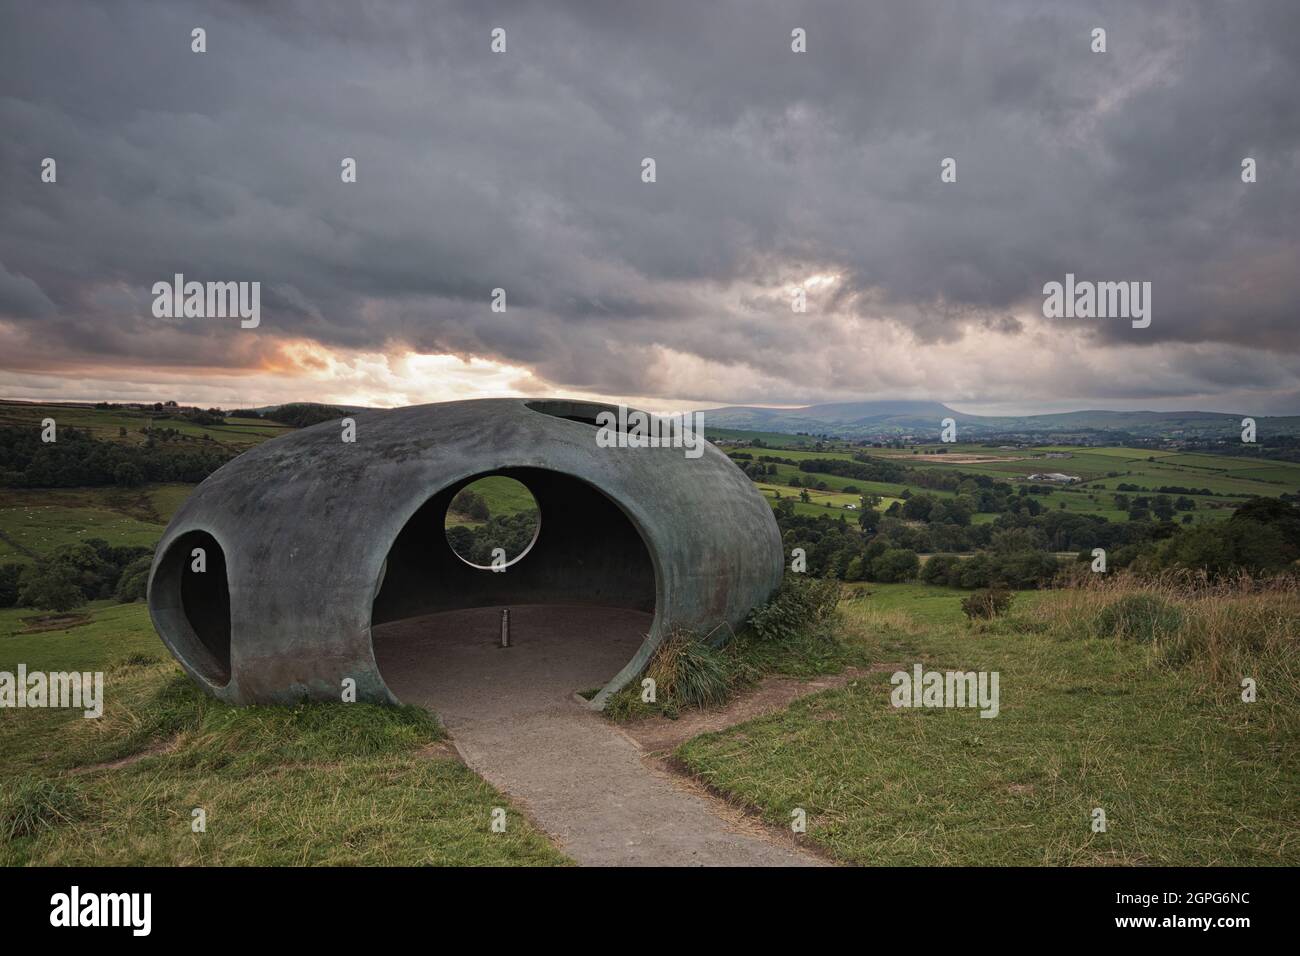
[189,599]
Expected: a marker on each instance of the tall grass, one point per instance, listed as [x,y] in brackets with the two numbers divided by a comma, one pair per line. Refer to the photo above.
[1226,628]
[31,804]
[792,633]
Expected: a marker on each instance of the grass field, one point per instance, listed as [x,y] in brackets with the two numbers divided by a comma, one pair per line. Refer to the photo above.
[1187,774]
[108,423]
[35,521]
[314,784]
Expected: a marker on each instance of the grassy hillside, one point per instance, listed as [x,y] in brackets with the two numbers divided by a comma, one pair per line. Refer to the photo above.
[308,785]
[920,418]
[1187,773]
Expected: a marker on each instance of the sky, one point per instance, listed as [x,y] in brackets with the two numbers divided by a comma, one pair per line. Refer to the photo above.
[775,171]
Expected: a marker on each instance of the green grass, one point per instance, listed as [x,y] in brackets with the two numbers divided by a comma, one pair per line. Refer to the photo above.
[316,784]
[504,496]
[42,528]
[1187,774]
[35,521]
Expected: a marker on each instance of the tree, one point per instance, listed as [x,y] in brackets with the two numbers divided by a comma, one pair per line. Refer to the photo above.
[939,569]
[134,582]
[470,504]
[50,586]
[87,567]
[127,475]
[1010,540]
[896,564]
[868,518]
[1222,548]
[1274,513]
[9,575]
[918,507]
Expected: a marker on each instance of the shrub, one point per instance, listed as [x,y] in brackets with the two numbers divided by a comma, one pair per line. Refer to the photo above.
[973,572]
[134,582]
[1024,570]
[1138,617]
[801,604]
[940,569]
[896,564]
[987,603]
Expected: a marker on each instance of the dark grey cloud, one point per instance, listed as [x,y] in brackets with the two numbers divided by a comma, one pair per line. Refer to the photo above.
[522,171]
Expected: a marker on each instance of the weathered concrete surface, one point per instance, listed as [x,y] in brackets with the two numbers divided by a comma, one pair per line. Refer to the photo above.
[513,719]
[309,528]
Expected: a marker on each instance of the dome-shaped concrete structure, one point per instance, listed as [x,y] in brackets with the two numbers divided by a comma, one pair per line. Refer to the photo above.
[309,541]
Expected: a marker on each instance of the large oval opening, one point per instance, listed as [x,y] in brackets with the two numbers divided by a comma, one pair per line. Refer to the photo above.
[580,599]
[189,600]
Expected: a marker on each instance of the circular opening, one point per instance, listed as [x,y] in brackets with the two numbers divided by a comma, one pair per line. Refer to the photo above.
[189,598]
[492,523]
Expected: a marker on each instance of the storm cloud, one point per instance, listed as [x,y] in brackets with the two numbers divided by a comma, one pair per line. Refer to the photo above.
[776,170]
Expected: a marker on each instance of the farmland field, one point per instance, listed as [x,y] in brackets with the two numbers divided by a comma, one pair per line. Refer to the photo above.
[1230,480]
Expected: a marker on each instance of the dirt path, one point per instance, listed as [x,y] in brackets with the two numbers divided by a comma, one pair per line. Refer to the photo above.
[659,735]
[514,720]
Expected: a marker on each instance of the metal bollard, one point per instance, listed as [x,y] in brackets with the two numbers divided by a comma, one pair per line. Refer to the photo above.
[505,627]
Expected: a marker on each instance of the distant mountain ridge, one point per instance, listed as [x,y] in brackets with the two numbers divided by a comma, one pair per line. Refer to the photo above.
[924,418]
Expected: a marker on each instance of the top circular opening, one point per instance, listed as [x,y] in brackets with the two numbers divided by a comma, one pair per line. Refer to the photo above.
[492,522]
[582,412]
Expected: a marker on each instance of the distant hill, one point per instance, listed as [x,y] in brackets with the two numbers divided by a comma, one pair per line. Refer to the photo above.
[923,421]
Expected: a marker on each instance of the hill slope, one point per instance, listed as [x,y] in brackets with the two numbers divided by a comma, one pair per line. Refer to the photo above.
[923,419]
